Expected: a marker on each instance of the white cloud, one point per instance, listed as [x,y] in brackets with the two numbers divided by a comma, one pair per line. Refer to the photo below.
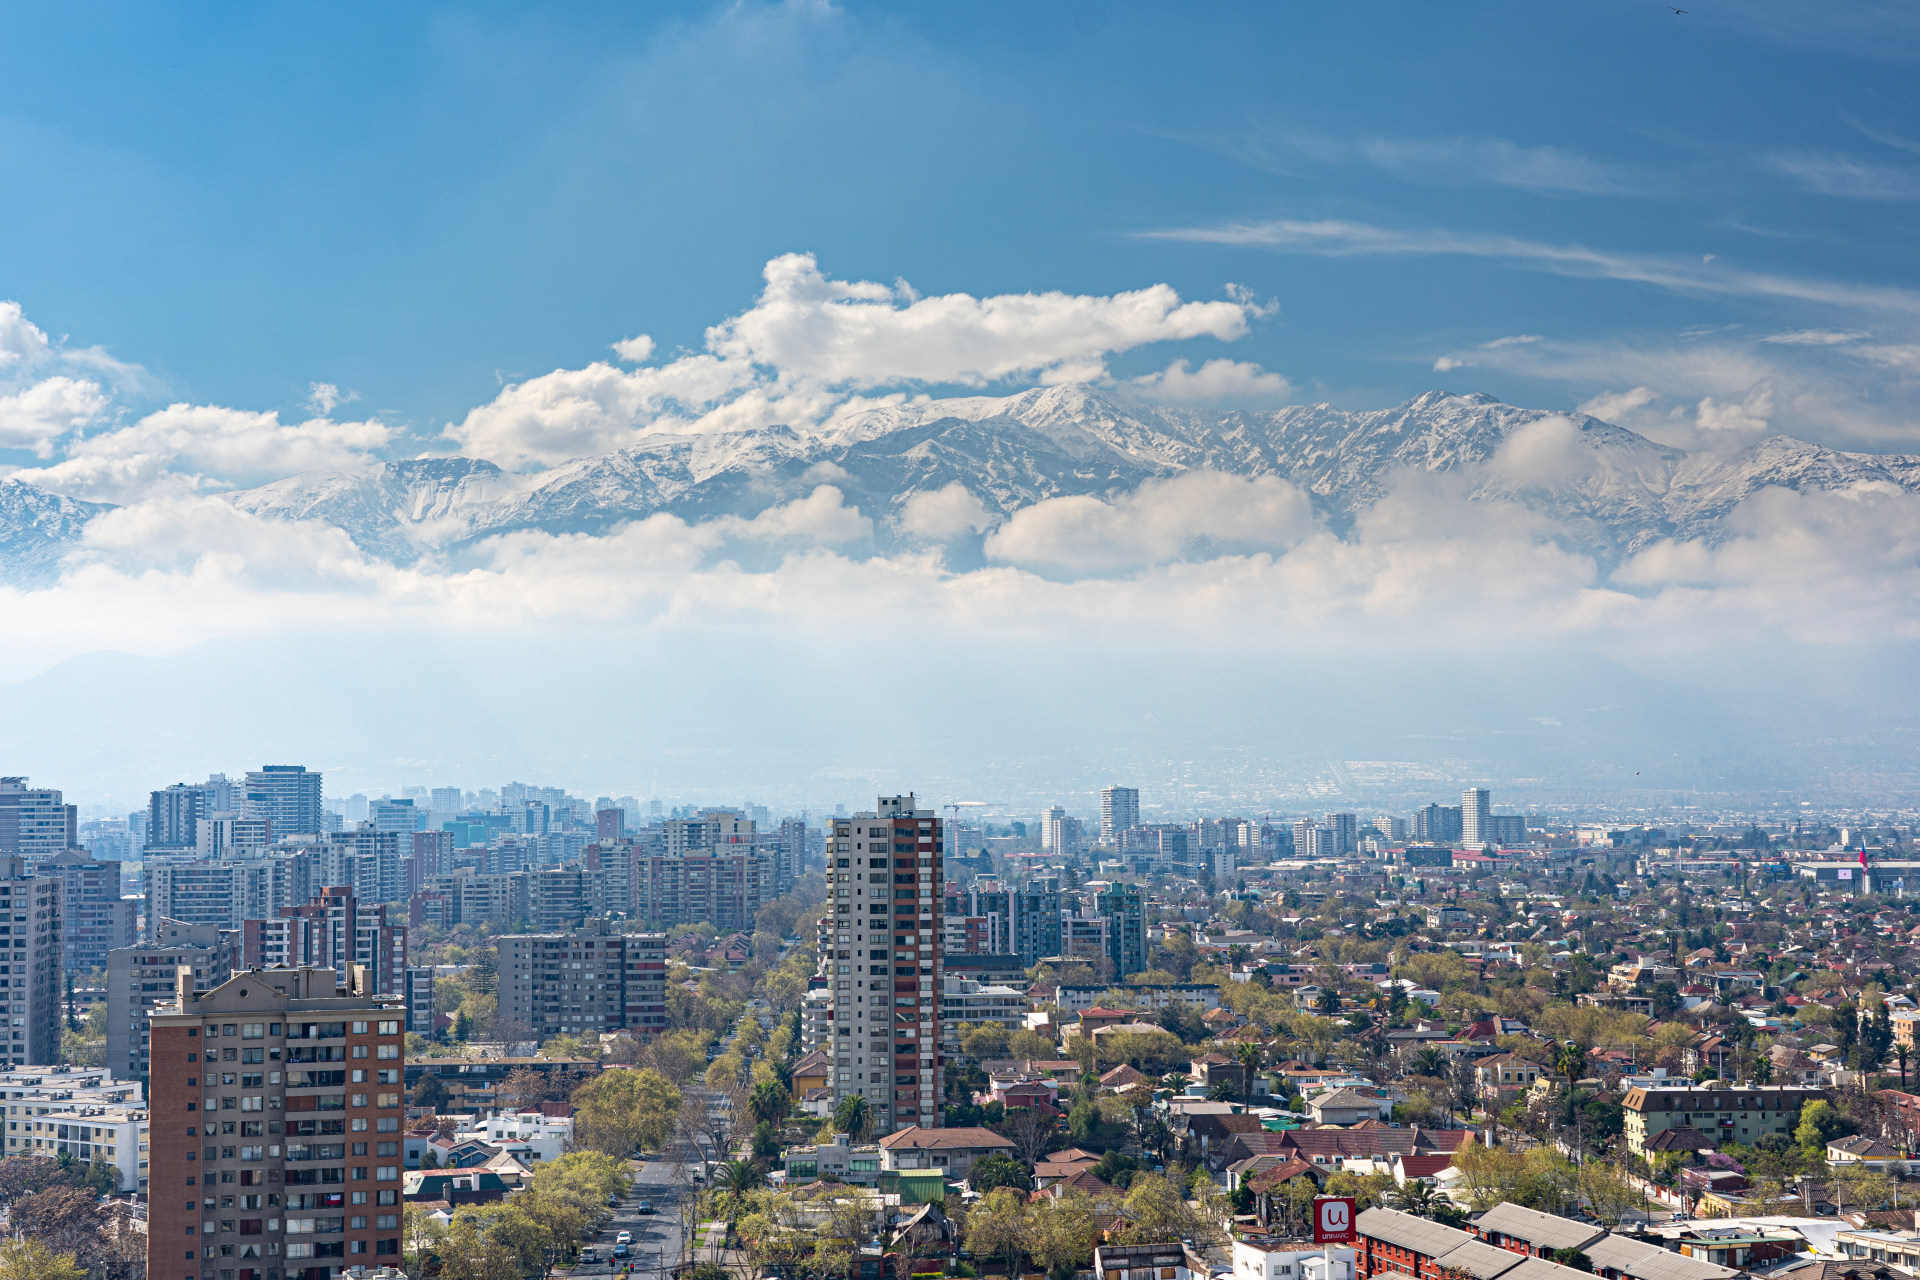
[186,447]
[1447,364]
[1545,170]
[1815,337]
[1749,414]
[857,333]
[1217,382]
[21,341]
[1838,175]
[1164,520]
[1617,406]
[1517,340]
[637,350]
[808,341]
[949,512]
[822,518]
[1332,237]
[324,397]
[1545,453]
[46,410]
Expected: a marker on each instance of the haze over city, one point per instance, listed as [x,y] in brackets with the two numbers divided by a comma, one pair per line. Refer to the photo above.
[807,401]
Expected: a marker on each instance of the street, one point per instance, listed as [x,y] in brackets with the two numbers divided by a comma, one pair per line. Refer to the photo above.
[656,1236]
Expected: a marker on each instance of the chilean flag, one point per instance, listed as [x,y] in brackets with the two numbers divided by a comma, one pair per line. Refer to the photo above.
[1863,856]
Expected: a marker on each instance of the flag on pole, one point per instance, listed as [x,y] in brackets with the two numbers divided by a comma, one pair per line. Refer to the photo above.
[1863,855]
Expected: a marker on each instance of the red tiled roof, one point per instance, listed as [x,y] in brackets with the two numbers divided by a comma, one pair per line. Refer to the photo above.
[919,1139]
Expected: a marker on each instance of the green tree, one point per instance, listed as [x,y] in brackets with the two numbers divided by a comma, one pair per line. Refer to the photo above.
[1820,1124]
[1061,1230]
[853,1117]
[24,1258]
[769,1102]
[619,1112]
[999,1170]
[997,1227]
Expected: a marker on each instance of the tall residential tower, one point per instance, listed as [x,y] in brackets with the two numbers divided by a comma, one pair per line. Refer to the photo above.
[882,956]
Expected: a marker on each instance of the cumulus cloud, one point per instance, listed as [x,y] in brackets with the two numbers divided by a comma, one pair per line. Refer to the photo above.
[185,447]
[1749,414]
[1217,382]
[1160,521]
[1447,364]
[324,397]
[949,512]
[1545,453]
[1617,406]
[810,344]
[46,410]
[21,341]
[857,333]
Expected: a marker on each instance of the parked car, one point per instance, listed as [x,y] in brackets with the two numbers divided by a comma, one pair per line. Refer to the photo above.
[589,1254]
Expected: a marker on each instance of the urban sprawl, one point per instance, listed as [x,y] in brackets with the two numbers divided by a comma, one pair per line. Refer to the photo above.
[259,1032]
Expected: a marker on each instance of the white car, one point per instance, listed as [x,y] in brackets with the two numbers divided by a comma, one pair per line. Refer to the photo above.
[625,1237]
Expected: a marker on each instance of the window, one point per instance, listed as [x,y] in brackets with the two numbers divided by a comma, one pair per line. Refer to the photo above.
[390,1028]
[359,1028]
[253,1031]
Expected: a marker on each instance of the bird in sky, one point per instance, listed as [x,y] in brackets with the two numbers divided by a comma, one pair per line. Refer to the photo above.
[1676,12]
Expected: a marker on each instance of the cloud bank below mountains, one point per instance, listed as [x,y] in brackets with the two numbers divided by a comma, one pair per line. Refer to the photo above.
[1189,571]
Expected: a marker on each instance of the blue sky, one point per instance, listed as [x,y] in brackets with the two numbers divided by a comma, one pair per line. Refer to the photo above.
[415,202]
[241,242]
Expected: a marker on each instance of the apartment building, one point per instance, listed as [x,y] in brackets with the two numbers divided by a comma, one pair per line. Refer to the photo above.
[82,1112]
[30,986]
[145,976]
[708,869]
[94,918]
[275,1128]
[1732,1113]
[582,983]
[884,962]
[334,930]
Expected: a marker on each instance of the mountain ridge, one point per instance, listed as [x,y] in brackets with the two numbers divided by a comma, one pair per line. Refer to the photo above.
[1609,490]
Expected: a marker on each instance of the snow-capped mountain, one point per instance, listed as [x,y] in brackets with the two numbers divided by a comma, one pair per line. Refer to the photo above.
[37,528]
[1607,490]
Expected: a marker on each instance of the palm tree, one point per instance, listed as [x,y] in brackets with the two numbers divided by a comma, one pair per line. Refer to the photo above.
[739,1177]
[853,1116]
[1329,1001]
[769,1102]
[1571,1062]
[1429,1061]
[1249,1055]
[1417,1197]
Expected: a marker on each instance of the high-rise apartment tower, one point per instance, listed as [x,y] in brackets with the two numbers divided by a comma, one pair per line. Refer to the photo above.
[1475,808]
[882,957]
[1119,811]
[276,1106]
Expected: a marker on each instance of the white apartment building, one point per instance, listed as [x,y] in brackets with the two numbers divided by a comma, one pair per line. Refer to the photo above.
[1476,807]
[884,961]
[110,1135]
[1119,811]
[530,1136]
[1285,1260]
[48,1110]
[964,1001]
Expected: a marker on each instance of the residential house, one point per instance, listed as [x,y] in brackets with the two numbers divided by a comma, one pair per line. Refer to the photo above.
[1866,1152]
[1261,1258]
[1170,1261]
[953,1151]
[1348,1106]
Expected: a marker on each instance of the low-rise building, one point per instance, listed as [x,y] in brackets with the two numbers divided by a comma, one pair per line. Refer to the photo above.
[530,1136]
[953,1151]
